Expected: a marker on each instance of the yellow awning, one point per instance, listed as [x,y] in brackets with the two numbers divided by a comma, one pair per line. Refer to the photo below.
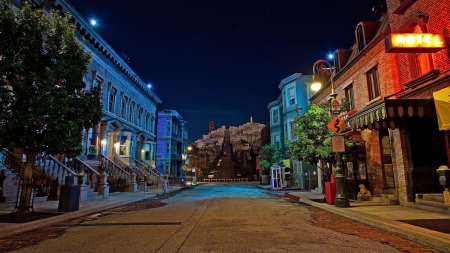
[442,103]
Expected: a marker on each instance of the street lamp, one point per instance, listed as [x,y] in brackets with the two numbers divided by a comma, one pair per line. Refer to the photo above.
[324,67]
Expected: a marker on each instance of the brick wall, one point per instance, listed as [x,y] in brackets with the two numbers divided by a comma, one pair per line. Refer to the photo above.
[438,21]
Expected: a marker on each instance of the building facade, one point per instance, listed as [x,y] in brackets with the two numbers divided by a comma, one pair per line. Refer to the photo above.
[172,143]
[389,90]
[127,129]
[293,100]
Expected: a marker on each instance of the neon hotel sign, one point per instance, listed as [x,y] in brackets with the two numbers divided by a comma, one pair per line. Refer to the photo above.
[414,43]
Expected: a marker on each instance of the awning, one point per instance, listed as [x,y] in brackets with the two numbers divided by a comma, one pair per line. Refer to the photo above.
[389,113]
[442,103]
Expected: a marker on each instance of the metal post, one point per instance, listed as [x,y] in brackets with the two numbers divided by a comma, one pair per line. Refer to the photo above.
[341,200]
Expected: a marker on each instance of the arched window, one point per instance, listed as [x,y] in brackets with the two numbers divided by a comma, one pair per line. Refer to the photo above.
[360,37]
[420,63]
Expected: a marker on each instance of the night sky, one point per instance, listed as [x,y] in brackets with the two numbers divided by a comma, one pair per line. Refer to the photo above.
[222,60]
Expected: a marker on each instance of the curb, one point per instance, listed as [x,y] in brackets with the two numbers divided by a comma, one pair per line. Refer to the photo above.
[296,198]
[28,226]
[416,234]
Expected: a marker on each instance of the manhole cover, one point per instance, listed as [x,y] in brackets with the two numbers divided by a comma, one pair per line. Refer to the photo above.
[440,225]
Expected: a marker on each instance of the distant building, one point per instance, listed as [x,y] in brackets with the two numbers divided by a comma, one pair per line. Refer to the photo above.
[293,99]
[172,142]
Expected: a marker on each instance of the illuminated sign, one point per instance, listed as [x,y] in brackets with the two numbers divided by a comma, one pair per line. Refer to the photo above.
[414,43]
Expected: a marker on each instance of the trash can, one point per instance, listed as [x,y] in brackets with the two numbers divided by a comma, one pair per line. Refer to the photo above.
[194,180]
[330,192]
[69,198]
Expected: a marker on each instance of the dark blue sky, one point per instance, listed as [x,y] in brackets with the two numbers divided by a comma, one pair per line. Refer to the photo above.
[222,60]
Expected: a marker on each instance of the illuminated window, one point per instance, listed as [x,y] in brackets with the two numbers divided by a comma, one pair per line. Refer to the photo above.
[373,83]
[420,63]
[124,146]
[349,96]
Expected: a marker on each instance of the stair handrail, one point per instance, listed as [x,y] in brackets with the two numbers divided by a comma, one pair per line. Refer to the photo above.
[63,165]
[143,165]
[155,171]
[124,165]
[10,156]
[114,164]
[87,166]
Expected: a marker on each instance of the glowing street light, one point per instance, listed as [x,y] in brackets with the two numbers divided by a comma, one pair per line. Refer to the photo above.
[93,22]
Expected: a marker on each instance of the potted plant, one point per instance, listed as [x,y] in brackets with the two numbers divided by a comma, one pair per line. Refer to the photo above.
[92,152]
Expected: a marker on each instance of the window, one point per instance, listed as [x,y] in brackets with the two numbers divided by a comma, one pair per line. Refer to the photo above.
[147,151]
[360,38]
[124,145]
[275,116]
[146,121]
[167,147]
[168,127]
[112,99]
[291,94]
[139,117]
[152,124]
[166,169]
[349,96]
[130,111]
[373,83]
[276,138]
[292,125]
[123,107]
[420,63]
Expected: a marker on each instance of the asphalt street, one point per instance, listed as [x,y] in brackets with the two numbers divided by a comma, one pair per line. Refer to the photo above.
[237,217]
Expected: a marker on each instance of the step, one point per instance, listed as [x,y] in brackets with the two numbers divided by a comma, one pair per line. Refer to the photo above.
[431,208]
[430,203]
[431,196]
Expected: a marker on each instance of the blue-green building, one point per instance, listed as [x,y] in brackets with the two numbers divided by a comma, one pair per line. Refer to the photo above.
[294,98]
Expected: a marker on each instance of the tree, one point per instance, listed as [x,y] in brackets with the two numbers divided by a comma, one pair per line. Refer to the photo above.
[270,155]
[45,104]
[313,141]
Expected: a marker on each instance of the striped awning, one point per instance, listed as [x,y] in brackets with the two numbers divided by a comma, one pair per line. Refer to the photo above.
[389,113]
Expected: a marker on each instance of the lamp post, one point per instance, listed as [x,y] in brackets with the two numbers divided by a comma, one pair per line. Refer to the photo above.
[324,67]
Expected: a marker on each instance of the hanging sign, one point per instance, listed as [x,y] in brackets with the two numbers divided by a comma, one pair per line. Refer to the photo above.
[337,125]
[414,42]
[337,144]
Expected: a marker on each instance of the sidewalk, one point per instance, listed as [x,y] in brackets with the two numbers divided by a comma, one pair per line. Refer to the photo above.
[385,217]
[86,207]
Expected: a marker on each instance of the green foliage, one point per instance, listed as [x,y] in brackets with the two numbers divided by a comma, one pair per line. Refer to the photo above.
[44,102]
[270,155]
[314,137]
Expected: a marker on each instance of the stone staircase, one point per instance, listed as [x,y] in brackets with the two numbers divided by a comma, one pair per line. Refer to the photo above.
[433,202]
[10,188]
[388,197]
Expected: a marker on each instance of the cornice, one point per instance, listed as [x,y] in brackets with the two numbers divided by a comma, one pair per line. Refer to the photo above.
[91,36]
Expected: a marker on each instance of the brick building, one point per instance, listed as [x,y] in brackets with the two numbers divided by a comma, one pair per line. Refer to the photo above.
[389,90]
